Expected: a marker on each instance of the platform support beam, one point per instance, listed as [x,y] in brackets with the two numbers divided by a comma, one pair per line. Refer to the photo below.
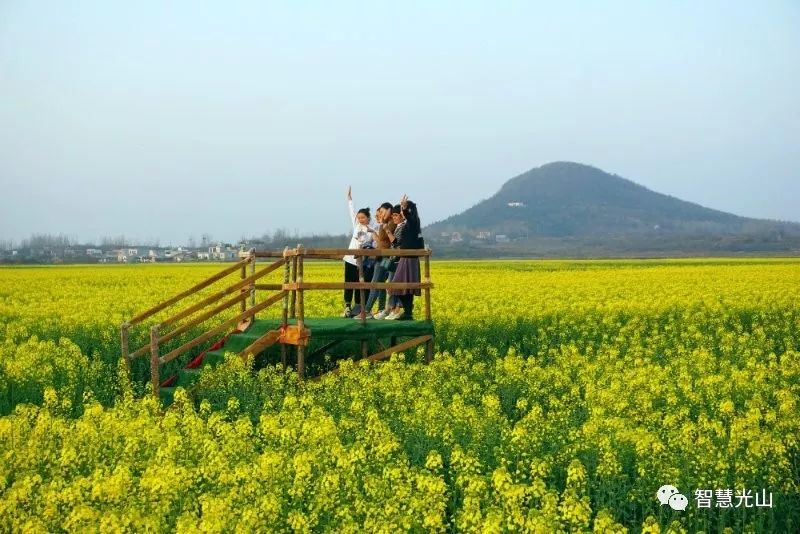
[427,279]
[301,349]
[405,345]
[155,362]
[252,273]
[243,275]
[123,341]
[293,302]
[285,306]
[361,301]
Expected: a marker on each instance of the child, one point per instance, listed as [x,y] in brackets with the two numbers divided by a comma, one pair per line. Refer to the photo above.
[407,236]
[362,238]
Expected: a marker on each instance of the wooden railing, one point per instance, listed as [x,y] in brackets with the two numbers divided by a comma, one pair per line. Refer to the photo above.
[243,291]
[291,293]
[295,286]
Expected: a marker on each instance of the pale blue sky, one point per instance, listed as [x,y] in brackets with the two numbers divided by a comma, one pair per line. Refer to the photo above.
[170,119]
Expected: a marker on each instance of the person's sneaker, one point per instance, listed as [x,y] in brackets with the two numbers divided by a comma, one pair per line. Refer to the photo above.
[358,316]
[380,315]
[394,315]
[346,312]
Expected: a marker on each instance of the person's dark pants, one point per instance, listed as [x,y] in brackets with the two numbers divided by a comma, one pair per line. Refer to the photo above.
[408,305]
[351,275]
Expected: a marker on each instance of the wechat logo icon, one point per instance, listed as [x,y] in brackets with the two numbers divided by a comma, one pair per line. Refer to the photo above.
[670,495]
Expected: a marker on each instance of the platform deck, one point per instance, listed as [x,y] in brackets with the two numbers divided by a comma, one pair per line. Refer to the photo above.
[333,328]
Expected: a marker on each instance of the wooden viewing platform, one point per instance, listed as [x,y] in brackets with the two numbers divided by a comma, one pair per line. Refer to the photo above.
[247,334]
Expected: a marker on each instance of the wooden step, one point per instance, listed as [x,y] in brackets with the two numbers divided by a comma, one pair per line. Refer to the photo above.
[261,344]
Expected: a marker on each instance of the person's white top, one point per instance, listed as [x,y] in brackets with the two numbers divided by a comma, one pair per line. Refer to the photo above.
[361,235]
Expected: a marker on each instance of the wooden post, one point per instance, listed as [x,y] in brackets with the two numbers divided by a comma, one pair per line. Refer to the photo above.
[364,348]
[253,272]
[361,301]
[123,341]
[243,304]
[301,349]
[427,279]
[285,307]
[293,304]
[154,361]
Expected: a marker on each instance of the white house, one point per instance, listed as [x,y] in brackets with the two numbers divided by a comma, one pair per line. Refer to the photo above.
[222,252]
[226,255]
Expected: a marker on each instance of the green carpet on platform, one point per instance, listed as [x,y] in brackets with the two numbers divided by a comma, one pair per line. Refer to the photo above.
[332,328]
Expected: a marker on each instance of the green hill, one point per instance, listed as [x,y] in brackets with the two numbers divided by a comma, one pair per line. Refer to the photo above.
[569,203]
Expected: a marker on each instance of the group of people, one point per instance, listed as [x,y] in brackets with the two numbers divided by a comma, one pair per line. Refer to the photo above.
[396,226]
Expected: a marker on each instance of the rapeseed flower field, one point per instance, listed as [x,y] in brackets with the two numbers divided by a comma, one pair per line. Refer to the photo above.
[562,396]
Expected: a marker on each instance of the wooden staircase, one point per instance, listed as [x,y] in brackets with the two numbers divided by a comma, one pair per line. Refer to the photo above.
[167,331]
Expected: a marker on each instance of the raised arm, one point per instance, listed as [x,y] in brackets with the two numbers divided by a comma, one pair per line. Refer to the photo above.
[350,205]
[412,217]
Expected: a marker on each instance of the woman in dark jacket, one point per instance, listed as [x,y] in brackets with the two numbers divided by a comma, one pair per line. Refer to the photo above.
[408,236]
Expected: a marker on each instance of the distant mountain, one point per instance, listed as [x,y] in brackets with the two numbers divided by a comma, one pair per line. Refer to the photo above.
[569,199]
[582,204]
